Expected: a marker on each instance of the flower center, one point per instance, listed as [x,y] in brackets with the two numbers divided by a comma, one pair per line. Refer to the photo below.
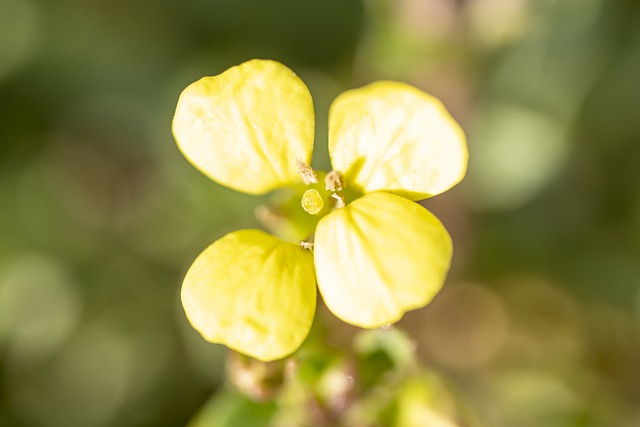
[321,199]
[293,213]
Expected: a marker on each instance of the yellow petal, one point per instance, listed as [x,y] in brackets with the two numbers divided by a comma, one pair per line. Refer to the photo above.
[390,136]
[252,292]
[248,127]
[379,257]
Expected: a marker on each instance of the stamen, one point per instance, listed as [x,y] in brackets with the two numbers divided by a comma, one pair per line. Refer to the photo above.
[339,198]
[334,181]
[308,175]
[306,245]
[269,216]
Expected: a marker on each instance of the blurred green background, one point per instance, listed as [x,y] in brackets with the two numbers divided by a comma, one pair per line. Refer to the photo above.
[100,215]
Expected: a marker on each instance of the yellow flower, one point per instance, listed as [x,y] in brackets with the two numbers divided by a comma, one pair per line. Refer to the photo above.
[376,254]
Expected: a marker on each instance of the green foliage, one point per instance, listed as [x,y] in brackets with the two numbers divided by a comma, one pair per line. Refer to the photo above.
[231,409]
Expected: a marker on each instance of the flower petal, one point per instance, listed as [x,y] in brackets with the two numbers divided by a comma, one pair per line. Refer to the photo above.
[252,292]
[379,257]
[248,127]
[389,136]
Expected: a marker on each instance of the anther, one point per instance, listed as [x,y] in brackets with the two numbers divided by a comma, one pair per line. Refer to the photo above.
[308,175]
[334,181]
[306,245]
